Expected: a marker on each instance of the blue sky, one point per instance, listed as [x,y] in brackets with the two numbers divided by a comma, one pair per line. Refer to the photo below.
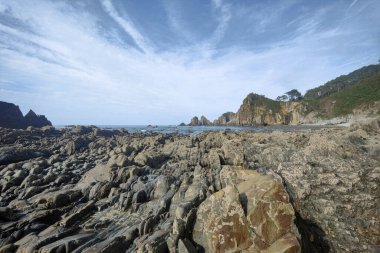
[161,62]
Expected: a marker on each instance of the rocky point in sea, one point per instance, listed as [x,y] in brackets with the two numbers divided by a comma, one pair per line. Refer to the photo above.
[11,117]
[84,189]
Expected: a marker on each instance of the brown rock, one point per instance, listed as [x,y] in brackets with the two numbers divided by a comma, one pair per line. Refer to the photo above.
[221,225]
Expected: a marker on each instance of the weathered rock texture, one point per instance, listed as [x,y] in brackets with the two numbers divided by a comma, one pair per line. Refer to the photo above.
[89,190]
[259,110]
[11,117]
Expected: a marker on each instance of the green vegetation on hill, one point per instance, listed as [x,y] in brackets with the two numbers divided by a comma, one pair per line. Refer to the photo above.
[259,100]
[342,82]
[360,94]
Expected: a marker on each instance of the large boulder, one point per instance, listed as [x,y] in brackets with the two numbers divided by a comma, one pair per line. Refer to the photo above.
[252,213]
[221,225]
[17,153]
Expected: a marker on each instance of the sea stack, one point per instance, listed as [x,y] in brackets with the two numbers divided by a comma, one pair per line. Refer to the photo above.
[11,117]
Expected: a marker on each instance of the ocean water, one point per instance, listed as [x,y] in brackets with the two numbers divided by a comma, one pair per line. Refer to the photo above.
[193,130]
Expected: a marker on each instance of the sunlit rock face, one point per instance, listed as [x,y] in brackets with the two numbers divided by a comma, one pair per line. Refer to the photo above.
[252,213]
[259,110]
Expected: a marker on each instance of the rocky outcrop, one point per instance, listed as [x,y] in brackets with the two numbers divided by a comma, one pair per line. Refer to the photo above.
[227,118]
[73,190]
[32,119]
[251,214]
[11,117]
[200,122]
[341,100]
[259,110]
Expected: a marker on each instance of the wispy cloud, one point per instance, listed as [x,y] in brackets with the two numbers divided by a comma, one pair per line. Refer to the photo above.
[128,26]
[352,4]
[62,65]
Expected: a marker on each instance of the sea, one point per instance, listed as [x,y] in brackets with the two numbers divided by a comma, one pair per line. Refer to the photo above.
[194,130]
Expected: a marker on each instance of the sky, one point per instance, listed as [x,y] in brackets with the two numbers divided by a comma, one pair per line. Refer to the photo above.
[137,62]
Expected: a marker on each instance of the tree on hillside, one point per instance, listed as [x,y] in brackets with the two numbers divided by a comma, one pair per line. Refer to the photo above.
[282,98]
[294,95]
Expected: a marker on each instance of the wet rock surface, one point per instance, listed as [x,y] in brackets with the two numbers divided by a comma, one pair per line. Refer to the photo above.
[84,189]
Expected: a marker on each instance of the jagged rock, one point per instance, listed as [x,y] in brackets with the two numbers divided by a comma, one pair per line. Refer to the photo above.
[76,145]
[17,153]
[119,160]
[194,121]
[78,215]
[221,225]
[9,248]
[268,210]
[185,246]
[233,152]
[11,117]
[260,204]
[6,214]
[151,159]
[331,176]
[200,122]
[32,119]
[66,244]
[227,118]
[81,130]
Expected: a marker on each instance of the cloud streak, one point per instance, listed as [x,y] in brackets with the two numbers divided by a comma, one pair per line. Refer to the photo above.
[128,26]
[56,59]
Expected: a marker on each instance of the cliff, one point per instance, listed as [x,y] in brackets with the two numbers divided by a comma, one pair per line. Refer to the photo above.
[348,96]
[11,117]
[259,110]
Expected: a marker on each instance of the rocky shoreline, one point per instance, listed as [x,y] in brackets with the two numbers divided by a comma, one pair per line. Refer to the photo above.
[90,190]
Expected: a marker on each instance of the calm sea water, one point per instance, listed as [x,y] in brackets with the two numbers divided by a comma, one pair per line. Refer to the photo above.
[193,130]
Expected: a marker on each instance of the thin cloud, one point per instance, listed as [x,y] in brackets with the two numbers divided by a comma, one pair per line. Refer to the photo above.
[128,26]
[66,68]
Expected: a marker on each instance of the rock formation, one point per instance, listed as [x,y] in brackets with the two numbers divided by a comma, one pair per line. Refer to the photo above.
[32,119]
[84,190]
[227,118]
[11,117]
[200,122]
[346,97]
[259,110]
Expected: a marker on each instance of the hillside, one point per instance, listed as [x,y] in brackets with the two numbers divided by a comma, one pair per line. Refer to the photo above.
[358,90]
[342,82]
[360,95]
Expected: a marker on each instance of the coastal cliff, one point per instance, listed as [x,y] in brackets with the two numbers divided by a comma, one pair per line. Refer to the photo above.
[11,117]
[258,110]
[341,100]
